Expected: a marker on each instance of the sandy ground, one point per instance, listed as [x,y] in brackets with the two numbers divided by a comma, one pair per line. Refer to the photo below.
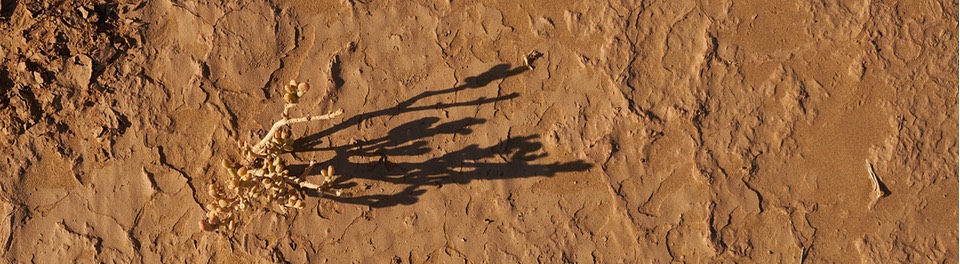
[648,132]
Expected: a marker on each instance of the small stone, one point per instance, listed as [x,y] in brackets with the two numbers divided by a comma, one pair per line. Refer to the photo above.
[77,71]
[83,12]
[37,77]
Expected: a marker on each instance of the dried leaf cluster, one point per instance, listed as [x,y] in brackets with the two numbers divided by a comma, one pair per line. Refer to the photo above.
[260,178]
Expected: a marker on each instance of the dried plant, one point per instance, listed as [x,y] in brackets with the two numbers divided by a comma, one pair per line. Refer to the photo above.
[260,178]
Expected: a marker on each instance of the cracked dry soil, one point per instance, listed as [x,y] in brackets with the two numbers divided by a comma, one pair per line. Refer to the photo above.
[648,131]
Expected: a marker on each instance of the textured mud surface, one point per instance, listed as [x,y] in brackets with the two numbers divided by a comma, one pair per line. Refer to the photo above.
[653,131]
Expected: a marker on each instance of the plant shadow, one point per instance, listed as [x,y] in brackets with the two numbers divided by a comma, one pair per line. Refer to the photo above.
[512,158]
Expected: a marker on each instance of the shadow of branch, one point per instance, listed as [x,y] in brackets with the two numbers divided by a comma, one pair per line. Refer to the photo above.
[514,157]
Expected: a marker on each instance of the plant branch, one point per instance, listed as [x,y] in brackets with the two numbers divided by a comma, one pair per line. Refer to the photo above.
[261,146]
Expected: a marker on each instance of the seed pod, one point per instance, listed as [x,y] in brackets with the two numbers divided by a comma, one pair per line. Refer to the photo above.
[243,171]
[223,203]
[233,173]
[226,163]
[287,148]
[211,215]
[302,88]
[291,98]
[212,191]
[234,184]
[210,207]
[330,170]
[232,225]
[278,168]
[206,226]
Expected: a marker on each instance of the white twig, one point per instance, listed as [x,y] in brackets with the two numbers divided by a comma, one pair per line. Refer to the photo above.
[303,184]
[303,176]
[261,146]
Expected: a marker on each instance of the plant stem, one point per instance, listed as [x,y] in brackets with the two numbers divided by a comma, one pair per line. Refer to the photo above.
[260,147]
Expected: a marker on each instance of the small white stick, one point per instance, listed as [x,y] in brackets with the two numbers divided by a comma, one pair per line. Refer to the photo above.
[261,146]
